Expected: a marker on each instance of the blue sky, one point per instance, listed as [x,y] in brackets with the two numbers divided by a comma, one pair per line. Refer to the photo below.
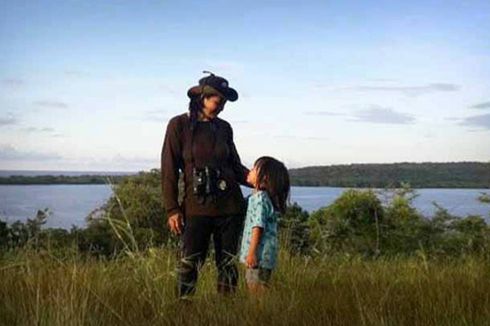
[91,85]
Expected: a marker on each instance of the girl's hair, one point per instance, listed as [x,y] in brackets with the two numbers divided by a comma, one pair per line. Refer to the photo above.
[273,177]
[196,104]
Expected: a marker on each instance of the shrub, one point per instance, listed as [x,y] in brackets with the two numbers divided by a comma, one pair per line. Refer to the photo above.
[350,224]
[293,230]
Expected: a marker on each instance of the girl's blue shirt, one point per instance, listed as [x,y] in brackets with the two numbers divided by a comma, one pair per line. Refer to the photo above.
[261,213]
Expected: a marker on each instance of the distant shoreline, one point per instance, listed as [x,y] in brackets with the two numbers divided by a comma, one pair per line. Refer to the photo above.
[464,175]
[61,180]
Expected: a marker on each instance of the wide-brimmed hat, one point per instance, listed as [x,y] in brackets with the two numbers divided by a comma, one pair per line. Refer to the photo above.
[213,84]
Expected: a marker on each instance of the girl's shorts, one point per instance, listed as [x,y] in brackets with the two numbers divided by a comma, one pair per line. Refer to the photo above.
[258,275]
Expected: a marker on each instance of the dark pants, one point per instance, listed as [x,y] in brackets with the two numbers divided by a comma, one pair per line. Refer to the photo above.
[195,238]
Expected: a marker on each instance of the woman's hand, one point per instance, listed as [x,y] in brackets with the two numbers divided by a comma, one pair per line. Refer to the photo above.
[175,223]
[251,260]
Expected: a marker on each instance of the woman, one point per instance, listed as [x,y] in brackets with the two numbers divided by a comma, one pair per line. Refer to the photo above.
[201,145]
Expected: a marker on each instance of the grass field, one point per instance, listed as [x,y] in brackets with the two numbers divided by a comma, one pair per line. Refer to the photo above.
[138,289]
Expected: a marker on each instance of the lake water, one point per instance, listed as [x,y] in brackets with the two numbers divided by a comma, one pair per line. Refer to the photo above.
[70,204]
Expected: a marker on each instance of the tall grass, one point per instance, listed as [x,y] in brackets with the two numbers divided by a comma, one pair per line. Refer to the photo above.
[137,287]
[38,288]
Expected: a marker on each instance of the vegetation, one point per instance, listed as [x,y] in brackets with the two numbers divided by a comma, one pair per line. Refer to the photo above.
[358,223]
[60,179]
[134,211]
[368,258]
[419,175]
[138,289]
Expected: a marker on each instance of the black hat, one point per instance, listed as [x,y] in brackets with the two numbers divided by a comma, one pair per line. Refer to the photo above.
[213,84]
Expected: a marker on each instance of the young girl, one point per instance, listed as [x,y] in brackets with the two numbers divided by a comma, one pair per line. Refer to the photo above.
[266,204]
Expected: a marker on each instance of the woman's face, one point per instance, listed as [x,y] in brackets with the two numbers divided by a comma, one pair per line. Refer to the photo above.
[212,106]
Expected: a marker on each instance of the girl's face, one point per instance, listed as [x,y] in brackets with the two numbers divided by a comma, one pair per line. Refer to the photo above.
[252,177]
[212,106]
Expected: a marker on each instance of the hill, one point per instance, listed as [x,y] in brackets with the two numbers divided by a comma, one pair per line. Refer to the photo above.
[418,175]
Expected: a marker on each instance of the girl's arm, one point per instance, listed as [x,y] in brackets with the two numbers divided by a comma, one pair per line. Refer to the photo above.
[254,243]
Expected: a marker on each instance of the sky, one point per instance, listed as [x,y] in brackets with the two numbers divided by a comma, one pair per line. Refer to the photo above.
[91,85]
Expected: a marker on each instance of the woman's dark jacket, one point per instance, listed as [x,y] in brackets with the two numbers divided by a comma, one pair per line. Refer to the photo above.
[176,156]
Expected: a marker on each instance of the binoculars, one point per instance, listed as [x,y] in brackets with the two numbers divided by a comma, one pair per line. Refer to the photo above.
[207,181]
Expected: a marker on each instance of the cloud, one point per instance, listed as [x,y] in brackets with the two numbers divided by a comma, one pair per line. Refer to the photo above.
[452,118]
[483,105]
[481,121]
[172,90]
[47,130]
[9,120]
[429,135]
[382,115]
[158,116]
[233,122]
[51,104]
[8,152]
[125,159]
[375,114]
[315,138]
[382,79]
[289,136]
[225,67]
[13,82]
[411,90]
[329,113]
[57,135]
[75,73]
[116,162]
[36,129]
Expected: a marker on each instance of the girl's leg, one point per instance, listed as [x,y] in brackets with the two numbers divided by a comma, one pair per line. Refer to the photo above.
[257,288]
[258,280]
[195,242]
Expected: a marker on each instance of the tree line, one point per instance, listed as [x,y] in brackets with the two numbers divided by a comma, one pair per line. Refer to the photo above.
[418,175]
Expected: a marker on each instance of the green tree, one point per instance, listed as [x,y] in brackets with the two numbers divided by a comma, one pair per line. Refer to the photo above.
[350,224]
[133,218]
[293,229]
